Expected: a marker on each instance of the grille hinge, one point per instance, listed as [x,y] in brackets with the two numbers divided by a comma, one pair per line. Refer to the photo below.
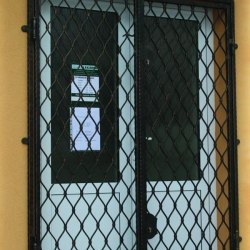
[31,29]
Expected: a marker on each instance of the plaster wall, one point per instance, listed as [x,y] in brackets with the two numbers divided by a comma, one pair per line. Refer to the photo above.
[242,18]
[13,126]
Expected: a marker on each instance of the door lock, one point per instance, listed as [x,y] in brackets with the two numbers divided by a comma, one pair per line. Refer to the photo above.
[151,226]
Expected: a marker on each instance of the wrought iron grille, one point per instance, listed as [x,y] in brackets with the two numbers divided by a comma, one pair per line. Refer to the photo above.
[134,132]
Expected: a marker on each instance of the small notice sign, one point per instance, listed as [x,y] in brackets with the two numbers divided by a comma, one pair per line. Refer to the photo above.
[85,83]
[85,129]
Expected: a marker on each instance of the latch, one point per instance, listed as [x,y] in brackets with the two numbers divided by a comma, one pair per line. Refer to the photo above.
[151,226]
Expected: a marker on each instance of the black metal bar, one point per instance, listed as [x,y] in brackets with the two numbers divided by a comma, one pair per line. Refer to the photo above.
[37,124]
[140,134]
[232,134]
[33,153]
[31,183]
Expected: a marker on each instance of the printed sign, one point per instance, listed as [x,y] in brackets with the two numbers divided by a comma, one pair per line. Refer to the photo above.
[85,83]
[85,129]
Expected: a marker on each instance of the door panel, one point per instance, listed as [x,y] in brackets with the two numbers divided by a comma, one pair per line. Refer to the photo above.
[179,219]
[87,195]
[82,225]
[179,103]
[172,98]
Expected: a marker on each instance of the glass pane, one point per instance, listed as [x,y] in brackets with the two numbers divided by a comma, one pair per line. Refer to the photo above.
[84,98]
[171,99]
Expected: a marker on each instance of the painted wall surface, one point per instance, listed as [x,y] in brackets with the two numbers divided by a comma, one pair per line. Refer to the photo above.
[13,122]
[243,106]
[13,126]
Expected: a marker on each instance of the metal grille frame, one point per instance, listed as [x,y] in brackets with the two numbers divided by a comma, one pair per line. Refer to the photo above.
[141,178]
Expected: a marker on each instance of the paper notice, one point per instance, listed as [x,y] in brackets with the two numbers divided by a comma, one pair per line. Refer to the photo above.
[85,129]
[85,88]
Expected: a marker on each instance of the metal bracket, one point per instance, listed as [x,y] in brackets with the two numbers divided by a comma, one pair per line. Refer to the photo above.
[233,44]
[238,240]
[25,28]
[33,28]
[25,141]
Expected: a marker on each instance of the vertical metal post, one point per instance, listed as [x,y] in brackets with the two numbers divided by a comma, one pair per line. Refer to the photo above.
[31,136]
[232,134]
[33,127]
[140,133]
